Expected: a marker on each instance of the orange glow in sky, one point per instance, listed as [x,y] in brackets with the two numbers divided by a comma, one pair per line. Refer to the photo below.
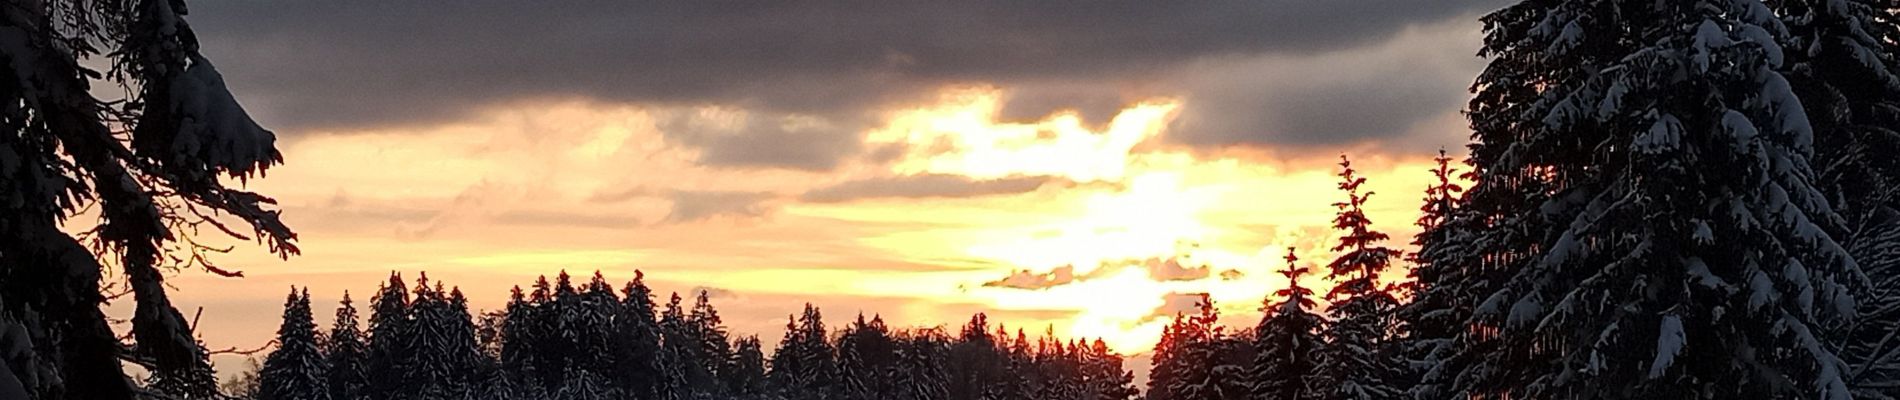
[1119,231]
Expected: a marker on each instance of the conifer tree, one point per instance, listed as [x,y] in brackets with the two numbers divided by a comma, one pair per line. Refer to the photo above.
[1103,376]
[920,373]
[1356,362]
[346,354]
[597,308]
[805,364]
[746,379]
[430,373]
[636,341]
[1646,210]
[1845,67]
[975,363]
[388,327]
[135,171]
[865,356]
[1289,342]
[1202,362]
[714,344]
[295,371]
[1430,322]
[521,357]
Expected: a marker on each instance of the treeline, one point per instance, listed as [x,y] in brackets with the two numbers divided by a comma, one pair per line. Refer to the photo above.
[587,341]
[568,341]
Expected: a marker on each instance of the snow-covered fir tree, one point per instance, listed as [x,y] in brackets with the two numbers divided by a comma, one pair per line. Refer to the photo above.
[636,339]
[920,373]
[595,328]
[805,365]
[296,370]
[388,327]
[346,354]
[975,362]
[714,344]
[746,379]
[1103,377]
[1358,361]
[431,371]
[865,359]
[1430,322]
[1203,360]
[1651,216]
[1844,63]
[1288,342]
[682,339]
[129,155]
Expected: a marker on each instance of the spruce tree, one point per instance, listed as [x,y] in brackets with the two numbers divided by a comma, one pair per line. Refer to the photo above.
[636,339]
[598,306]
[975,364]
[920,373]
[346,354]
[865,356]
[746,379]
[1356,362]
[714,345]
[1430,322]
[805,364]
[1845,66]
[521,357]
[295,371]
[388,327]
[429,373]
[1288,342]
[1202,363]
[1650,216]
[1103,376]
[135,171]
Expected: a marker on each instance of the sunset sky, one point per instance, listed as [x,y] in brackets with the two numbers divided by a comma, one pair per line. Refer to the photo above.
[1082,167]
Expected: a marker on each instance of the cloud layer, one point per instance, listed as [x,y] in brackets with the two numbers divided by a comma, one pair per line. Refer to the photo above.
[810,76]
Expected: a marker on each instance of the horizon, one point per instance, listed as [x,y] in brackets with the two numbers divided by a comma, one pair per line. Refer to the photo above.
[937,197]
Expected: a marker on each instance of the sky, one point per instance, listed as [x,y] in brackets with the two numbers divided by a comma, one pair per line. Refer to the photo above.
[1083,168]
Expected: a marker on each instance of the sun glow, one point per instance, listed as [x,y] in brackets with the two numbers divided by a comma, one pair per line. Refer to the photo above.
[1129,242]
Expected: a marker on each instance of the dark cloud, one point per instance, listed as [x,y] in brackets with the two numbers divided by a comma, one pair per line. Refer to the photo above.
[693,206]
[1377,92]
[924,186]
[303,65]
[753,140]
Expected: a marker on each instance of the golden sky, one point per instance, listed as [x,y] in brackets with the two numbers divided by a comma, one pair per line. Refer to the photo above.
[1053,184]
[1095,231]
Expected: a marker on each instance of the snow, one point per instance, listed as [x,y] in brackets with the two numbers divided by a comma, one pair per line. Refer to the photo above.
[1740,130]
[1708,37]
[1760,37]
[1789,117]
[1669,341]
[1761,291]
[1571,36]
[1525,311]
[212,126]
[1662,136]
